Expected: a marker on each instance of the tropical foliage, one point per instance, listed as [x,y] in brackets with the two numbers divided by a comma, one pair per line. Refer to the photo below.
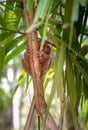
[63,25]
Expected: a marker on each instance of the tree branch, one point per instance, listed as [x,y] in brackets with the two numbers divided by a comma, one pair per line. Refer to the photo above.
[36,71]
[31,116]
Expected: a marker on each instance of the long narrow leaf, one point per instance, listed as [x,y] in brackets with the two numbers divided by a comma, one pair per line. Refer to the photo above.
[2,54]
[41,10]
[57,78]
[45,27]
[70,81]
[30,4]
[14,53]
[20,80]
[13,43]
[75,10]
[71,89]
[3,36]
[79,67]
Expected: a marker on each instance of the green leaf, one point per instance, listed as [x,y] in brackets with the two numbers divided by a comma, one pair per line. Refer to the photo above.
[14,53]
[84,43]
[10,17]
[2,21]
[28,81]
[30,4]
[71,88]
[56,41]
[5,99]
[79,67]
[40,14]
[2,54]
[48,78]
[3,36]
[75,10]
[57,77]
[78,85]
[67,19]
[13,43]
[41,10]
[85,89]
[45,27]
[55,5]
[83,2]
[20,80]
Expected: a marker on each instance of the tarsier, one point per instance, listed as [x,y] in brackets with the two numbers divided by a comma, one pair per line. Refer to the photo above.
[45,59]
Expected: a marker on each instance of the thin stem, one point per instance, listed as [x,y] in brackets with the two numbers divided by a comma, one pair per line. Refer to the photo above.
[70,35]
[13,31]
[14,0]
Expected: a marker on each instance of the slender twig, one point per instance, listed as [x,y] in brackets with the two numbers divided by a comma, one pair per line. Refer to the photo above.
[38,122]
[31,116]
[14,0]
[13,31]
